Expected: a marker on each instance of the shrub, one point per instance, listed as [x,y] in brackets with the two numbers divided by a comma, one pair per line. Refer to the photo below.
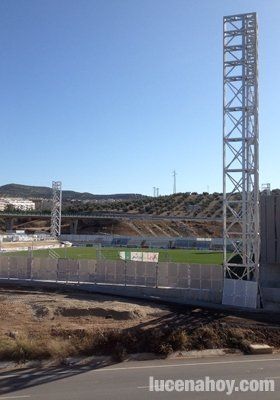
[22,349]
[119,354]
[205,338]
[179,340]
[165,349]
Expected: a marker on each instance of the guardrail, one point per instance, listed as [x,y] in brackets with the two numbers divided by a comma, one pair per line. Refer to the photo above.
[112,215]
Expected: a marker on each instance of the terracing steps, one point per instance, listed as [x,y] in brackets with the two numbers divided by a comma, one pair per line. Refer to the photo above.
[161,230]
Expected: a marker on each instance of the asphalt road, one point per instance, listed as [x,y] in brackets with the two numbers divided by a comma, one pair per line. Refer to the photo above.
[130,380]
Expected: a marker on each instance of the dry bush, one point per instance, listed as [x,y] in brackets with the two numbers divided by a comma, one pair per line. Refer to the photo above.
[205,337]
[63,343]
[7,347]
[119,354]
[22,348]
[245,346]
[164,349]
[60,349]
[179,340]
[234,337]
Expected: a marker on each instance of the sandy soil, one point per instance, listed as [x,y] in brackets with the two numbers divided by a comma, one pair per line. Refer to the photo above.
[132,228]
[34,312]
[136,326]
[8,246]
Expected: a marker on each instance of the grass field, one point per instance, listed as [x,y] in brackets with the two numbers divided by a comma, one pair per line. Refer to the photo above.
[112,253]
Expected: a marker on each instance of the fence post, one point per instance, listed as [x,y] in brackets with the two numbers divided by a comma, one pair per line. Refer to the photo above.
[189,276]
[125,271]
[95,272]
[31,267]
[57,269]
[157,275]
[78,271]
[67,274]
[9,260]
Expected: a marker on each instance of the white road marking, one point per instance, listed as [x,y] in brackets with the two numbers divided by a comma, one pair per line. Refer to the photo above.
[186,364]
[16,397]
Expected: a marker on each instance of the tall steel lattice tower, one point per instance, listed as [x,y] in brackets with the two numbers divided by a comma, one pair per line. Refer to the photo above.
[56,209]
[241,148]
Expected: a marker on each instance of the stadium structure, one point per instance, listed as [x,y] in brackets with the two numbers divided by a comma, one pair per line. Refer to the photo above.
[251,222]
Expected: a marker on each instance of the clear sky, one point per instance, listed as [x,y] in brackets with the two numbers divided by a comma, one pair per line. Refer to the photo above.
[112,95]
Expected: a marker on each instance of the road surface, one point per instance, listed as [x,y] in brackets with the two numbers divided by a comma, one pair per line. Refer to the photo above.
[130,380]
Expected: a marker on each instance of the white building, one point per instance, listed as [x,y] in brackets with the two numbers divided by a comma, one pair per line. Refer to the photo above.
[17,203]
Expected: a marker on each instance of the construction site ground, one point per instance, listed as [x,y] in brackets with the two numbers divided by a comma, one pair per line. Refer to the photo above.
[41,324]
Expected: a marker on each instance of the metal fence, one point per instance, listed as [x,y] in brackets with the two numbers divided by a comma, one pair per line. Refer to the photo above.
[147,241]
[204,280]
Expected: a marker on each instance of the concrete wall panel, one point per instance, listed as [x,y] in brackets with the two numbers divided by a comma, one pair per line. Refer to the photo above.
[4,266]
[183,276]
[120,272]
[163,274]
[130,273]
[87,270]
[172,274]
[100,275]
[263,223]
[277,222]
[20,267]
[240,293]
[44,269]
[68,270]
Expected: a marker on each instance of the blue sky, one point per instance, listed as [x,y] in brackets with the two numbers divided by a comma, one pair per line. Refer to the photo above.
[112,95]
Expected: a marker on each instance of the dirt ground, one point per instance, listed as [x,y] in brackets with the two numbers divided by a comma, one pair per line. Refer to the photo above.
[31,312]
[93,323]
[9,246]
[147,227]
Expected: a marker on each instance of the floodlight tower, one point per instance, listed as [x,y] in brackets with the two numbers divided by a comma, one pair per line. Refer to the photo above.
[241,148]
[56,209]
[266,189]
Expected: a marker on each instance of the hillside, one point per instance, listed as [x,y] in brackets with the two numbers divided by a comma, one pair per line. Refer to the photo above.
[180,204]
[186,205]
[189,205]
[42,192]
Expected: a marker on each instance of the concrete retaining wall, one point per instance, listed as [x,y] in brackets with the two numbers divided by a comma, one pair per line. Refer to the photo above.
[270,285]
[270,229]
[270,251]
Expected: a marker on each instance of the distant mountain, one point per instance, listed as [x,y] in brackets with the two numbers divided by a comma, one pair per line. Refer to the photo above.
[25,191]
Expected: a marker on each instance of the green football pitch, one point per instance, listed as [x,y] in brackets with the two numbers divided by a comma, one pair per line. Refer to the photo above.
[112,253]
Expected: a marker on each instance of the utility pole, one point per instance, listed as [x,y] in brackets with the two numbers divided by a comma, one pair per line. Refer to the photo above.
[174,181]
[156,191]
